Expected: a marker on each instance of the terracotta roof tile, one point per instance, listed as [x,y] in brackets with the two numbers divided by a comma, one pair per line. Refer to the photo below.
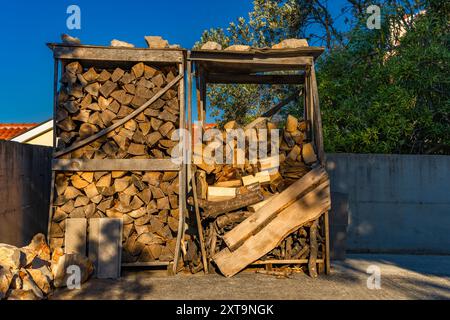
[11,130]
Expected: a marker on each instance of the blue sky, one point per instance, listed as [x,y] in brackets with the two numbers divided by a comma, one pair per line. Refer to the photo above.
[25,28]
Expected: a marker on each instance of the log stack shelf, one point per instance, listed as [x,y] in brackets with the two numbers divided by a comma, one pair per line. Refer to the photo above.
[262,66]
[159,75]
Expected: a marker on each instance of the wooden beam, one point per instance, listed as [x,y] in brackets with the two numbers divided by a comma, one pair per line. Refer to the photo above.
[253,224]
[117,124]
[255,79]
[98,53]
[281,104]
[306,209]
[291,261]
[114,165]
[181,177]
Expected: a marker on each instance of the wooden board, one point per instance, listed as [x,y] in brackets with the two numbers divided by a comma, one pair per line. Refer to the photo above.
[114,165]
[75,236]
[105,243]
[306,209]
[98,53]
[261,217]
[255,79]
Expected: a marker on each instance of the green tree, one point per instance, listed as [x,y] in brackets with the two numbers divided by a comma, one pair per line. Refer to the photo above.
[382,93]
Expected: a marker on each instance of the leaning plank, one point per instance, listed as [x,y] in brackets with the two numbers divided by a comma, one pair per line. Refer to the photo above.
[306,209]
[117,124]
[114,165]
[261,217]
[75,236]
[105,246]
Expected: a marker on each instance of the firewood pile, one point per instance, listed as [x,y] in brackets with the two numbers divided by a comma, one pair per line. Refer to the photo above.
[33,272]
[241,204]
[91,100]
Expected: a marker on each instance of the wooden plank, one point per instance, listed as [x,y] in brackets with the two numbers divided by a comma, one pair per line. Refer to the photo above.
[105,246]
[255,65]
[255,79]
[98,53]
[181,176]
[220,193]
[114,165]
[199,222]
[122,121]
[146,264]
[306,209]
[291,261]
[252,224]
[310,51]
[75,236]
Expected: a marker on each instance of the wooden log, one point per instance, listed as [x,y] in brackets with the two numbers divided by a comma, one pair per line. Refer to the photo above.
[306,209]
[220,193]
[291,124]
[214,209]
[250,226]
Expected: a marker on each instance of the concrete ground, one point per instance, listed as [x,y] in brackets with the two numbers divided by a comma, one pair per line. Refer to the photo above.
[402,277]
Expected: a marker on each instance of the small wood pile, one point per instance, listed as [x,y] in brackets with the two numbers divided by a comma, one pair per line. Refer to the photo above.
[91,100]
[33,272]
[266,211]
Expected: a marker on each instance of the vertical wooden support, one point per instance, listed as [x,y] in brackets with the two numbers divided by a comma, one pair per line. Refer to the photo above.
[182,174]
[317,119]
[188,144]
[55,103]
[327,243]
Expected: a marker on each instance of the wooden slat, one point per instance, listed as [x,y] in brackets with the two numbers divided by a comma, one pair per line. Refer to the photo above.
[253,65]
[292,261]
[255,79]
[114,165]
[146,264]
[261,217]
[117,124]
[306,209]
[97,53]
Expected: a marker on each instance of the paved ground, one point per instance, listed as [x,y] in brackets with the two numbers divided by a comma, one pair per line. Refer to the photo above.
[402,277]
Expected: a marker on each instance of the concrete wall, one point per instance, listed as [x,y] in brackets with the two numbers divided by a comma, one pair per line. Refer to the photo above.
[25,179]
[398,203]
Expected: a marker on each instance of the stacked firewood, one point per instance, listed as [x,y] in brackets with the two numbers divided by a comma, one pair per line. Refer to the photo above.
[147,203]
[93,99]
[228,194]
[90,100]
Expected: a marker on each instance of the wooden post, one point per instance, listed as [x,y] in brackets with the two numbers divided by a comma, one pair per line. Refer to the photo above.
[55,103]
[327,243]
[181,175]
[317,119]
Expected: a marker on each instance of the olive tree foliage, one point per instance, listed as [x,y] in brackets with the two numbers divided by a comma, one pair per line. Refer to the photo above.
[270,22]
